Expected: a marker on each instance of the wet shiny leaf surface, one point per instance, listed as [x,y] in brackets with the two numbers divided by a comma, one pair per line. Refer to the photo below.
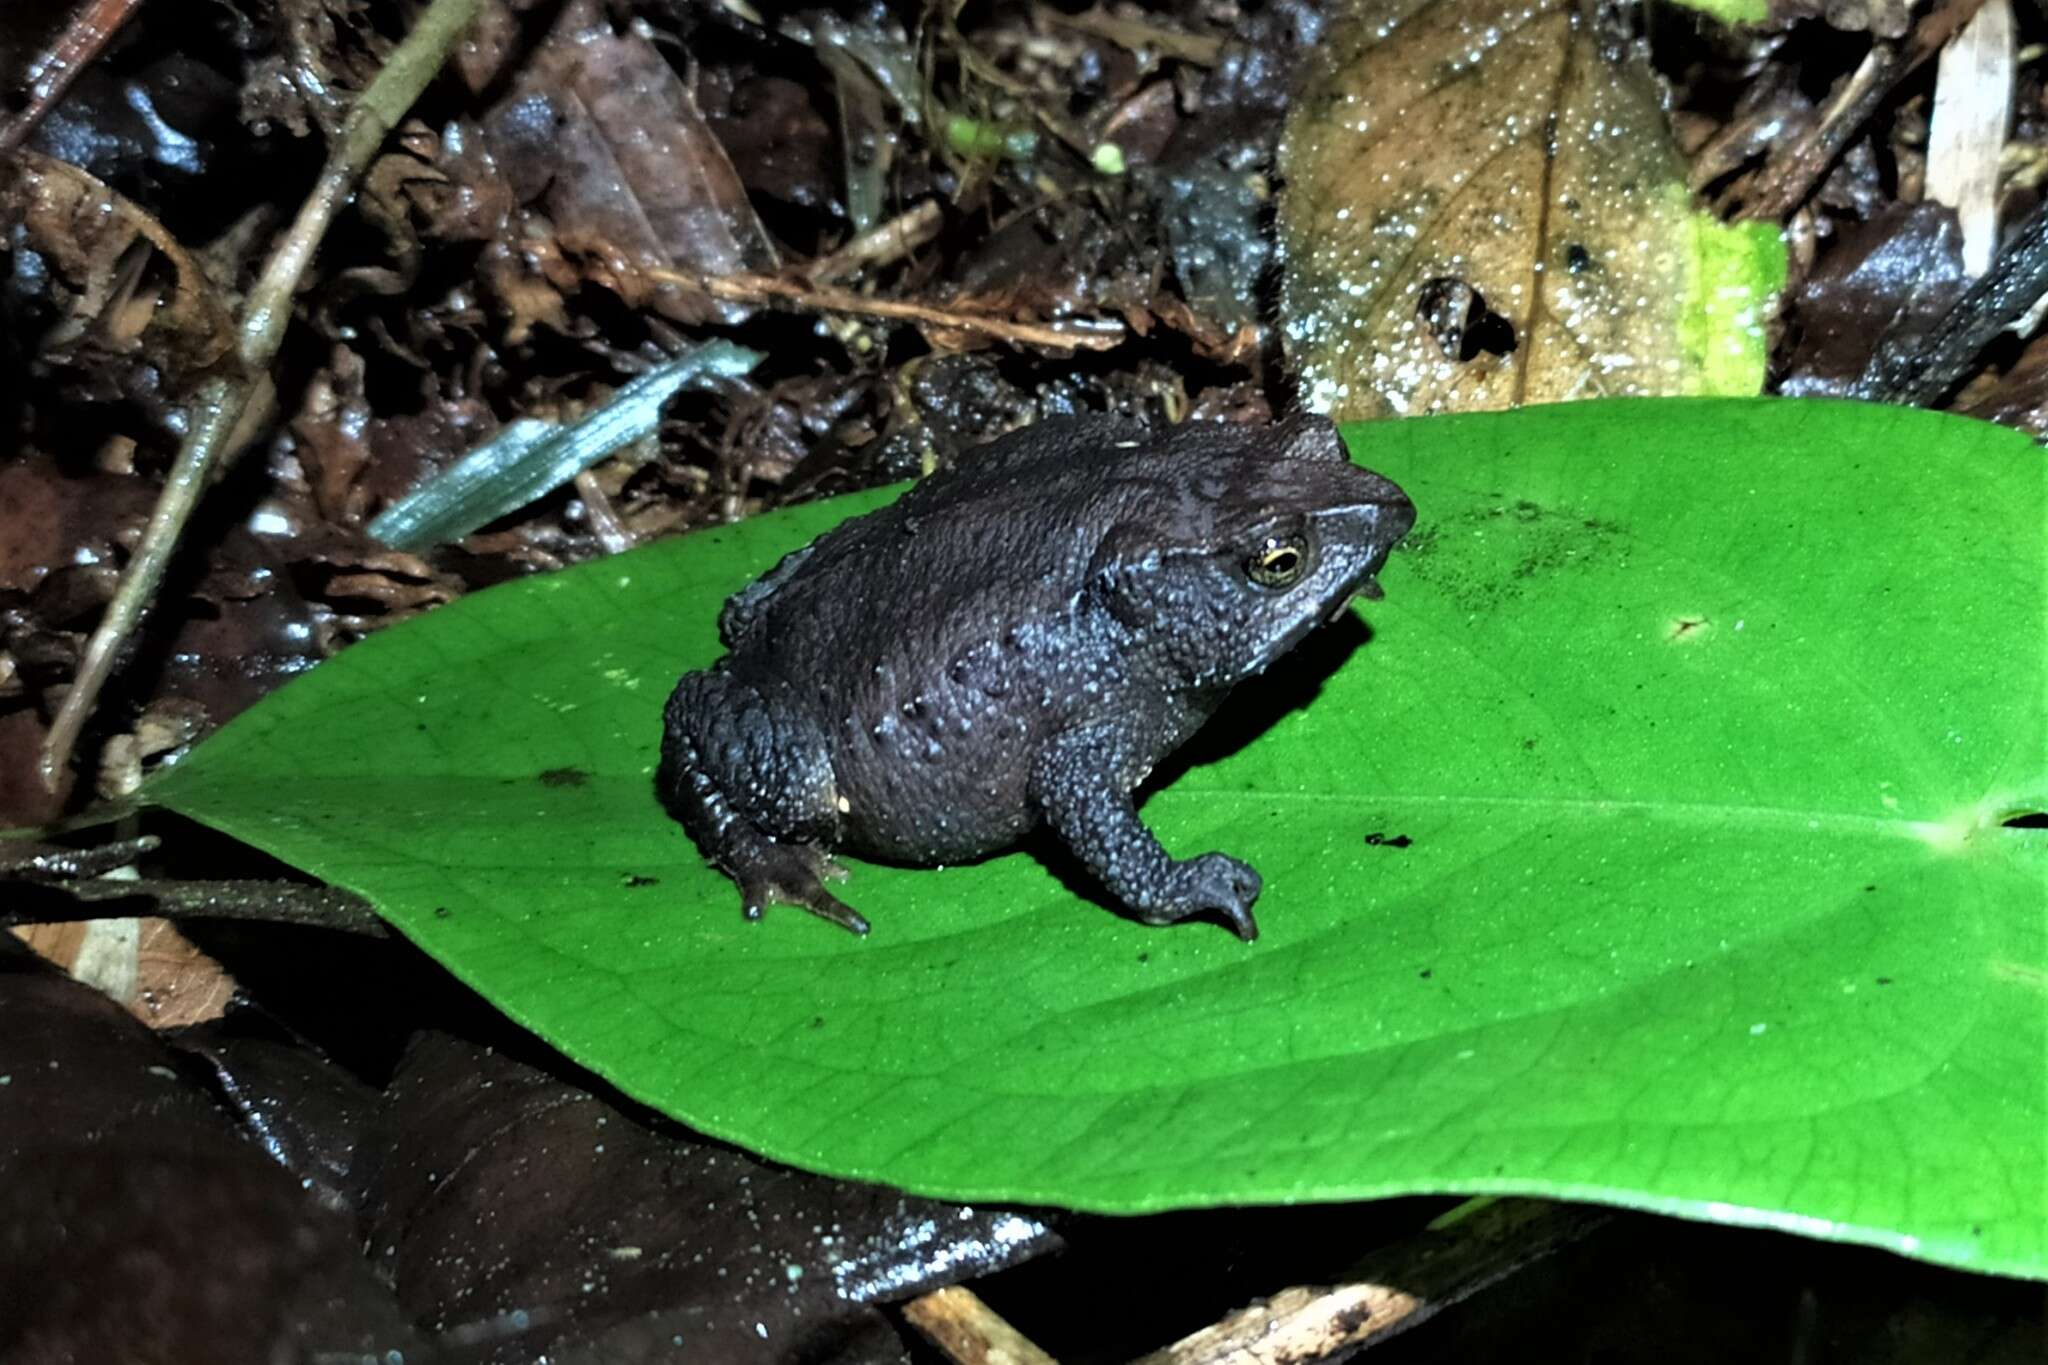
[1484,209]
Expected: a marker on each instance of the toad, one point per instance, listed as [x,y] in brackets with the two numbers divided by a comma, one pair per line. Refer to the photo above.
[1017,641]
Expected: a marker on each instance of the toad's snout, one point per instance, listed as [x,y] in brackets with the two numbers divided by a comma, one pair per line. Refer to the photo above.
[1394,514]
[1378,516]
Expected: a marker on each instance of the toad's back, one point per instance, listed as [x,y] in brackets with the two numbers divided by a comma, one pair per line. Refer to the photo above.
[933,644]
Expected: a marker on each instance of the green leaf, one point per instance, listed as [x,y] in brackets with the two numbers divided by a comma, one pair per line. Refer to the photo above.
[1732,11]
[1650,852]
[1733,275]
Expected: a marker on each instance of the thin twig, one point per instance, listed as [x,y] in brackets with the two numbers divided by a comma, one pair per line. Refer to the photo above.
[34,860]
[222,402]
[602,516]
[94,883]
[1135,35]
[218,409]
[92,24]
[320,907]
[1102,335]
[1973,96]
[1922,369]
[968,1331]
[1434,1269]
[1785,183]
[879,245]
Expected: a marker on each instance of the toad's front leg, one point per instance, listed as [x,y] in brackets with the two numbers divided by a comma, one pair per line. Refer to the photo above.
[1079,782]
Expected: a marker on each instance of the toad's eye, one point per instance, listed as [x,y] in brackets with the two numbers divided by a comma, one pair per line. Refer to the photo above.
[1278,562]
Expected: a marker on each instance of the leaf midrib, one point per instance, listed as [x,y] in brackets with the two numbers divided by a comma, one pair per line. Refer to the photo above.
[1922,829]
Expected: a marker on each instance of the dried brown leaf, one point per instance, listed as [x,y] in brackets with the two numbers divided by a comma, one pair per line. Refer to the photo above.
[125,286]
[175,984]
[1879,18]
[1894,276]
[245,631]
[356,464]
[1482,209]
[51,519]
[769,125]
[1771,110]
[631,178]
[2018,398]
[141,1225]
[329,52]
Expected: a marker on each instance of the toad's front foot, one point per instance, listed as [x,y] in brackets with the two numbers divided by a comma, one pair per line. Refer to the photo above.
[771,873]
[1081,781]
[1214,883]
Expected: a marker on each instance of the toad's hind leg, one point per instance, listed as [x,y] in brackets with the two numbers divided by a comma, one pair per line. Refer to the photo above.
[752,790]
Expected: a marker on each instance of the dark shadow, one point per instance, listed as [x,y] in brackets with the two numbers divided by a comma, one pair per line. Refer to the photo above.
[1067,870]
[1256,706]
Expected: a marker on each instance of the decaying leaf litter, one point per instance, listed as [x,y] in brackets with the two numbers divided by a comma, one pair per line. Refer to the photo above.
[930,225]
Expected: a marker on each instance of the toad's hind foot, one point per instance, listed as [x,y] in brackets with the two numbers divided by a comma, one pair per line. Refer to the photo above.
[716,733]
[771,873]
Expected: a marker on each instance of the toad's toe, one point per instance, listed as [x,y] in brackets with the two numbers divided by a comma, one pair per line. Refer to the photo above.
[789,874]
